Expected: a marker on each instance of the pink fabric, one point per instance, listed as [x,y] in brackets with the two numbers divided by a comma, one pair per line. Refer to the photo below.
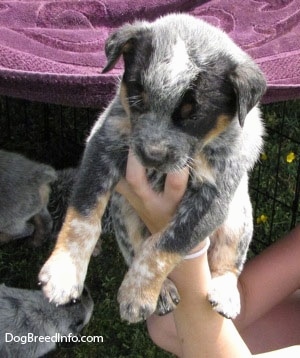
[52,51]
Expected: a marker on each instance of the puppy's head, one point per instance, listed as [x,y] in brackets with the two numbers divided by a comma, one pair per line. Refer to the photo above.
[73,316]
[185,82]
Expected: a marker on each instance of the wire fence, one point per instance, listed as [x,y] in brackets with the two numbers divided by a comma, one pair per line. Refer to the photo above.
[56,135]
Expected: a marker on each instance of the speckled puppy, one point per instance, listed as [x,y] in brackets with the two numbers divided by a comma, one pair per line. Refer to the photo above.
[24,195]
[187,97]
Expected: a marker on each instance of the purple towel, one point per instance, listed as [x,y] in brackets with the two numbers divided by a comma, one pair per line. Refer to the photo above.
[52,51]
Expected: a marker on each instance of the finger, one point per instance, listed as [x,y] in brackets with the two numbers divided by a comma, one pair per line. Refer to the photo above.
[136,176]
[175,185]
[123,187]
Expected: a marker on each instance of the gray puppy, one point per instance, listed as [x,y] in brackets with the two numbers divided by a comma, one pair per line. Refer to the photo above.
[24,193]
[25,314]
[188,97]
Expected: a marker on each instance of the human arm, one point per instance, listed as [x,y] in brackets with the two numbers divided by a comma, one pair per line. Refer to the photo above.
[201,332]
[194,316]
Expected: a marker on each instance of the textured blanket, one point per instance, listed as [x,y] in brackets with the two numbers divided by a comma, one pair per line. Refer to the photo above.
[53,51]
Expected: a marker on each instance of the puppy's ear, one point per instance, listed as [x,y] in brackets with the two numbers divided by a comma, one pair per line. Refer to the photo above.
[249,85]
[120,42]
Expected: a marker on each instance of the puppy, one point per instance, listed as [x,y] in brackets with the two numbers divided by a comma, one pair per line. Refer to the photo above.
[188,97]
[27,313]
[24,192]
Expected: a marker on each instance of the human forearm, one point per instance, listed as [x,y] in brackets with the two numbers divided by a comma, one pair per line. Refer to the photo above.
[202,331]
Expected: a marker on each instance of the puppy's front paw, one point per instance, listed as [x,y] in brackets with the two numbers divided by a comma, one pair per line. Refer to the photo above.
[224,295]
[168,298]
[137,300]
[62,278]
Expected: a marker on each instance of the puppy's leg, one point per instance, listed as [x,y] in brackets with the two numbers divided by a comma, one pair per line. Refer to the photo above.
[43,225]
[227,254]
[141,287]
[130,233]
[18,230]
[103,162]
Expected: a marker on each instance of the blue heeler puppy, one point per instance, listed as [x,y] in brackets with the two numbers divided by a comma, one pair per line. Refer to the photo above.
[25,314]
[24,193]
[188,97]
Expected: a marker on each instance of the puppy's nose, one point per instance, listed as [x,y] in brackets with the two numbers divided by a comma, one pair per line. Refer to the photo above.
[153,153]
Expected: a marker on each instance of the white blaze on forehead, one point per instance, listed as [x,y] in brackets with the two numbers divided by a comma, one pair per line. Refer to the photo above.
[170,71]
[180,61]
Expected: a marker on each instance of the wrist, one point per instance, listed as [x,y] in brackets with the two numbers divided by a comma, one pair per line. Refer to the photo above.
[192,277]
[200,250]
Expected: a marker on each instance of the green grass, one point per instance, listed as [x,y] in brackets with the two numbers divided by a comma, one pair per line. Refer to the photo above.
[19,267]
[273,186]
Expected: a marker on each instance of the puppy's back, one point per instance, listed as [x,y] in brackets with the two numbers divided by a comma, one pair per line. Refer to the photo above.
[17,169]
[23,186]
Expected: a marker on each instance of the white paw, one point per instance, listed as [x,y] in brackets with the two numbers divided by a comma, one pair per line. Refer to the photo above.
[62,278]
[224,295]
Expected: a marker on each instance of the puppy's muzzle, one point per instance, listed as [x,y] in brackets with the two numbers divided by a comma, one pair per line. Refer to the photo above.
[153,155]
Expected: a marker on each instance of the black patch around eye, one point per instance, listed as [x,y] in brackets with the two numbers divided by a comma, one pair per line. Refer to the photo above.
[186,109]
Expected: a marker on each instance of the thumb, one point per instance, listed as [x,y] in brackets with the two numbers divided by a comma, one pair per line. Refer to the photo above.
[175,185]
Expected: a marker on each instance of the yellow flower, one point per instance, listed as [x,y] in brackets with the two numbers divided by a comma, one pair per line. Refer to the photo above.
[263,156]
[262,219]
[290,157]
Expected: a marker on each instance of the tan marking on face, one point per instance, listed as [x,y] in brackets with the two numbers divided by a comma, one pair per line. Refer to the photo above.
[202,170]
[124,97]
[222,123]
[223,251]
[122,125]
[79,233]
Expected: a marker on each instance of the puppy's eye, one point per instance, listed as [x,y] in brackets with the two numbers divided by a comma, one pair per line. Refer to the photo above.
[185,110]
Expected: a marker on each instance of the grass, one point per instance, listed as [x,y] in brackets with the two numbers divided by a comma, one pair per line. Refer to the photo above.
[274,191]
[19,267]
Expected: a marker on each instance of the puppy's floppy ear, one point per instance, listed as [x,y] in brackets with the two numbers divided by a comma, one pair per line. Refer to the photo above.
[120,42]
[249,85]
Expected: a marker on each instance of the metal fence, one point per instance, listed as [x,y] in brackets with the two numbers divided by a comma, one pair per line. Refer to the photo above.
[55,134]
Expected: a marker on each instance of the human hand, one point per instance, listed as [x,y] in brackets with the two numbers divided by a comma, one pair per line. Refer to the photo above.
[155,209]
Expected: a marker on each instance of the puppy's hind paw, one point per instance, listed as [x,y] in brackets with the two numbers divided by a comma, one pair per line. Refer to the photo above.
[60,279]
[224,296]
[168,298]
